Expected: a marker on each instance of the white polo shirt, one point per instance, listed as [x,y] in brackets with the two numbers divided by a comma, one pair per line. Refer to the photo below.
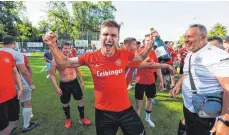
[206,64]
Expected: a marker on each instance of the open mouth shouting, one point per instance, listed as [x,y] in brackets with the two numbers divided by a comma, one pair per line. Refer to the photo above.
[108,46]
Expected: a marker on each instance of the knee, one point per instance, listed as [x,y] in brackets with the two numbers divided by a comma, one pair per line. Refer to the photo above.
[81,102]
[27,104]
[148,100]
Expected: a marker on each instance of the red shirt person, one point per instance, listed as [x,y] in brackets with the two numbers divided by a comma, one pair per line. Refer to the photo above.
[9,103]
[107,66]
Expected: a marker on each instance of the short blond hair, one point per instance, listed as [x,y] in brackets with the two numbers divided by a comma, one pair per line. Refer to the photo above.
[110,23]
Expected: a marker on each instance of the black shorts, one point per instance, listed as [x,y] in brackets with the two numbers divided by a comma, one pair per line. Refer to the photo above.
[68,88]
[150,91]
[107,123]
[181,68]
[9,111]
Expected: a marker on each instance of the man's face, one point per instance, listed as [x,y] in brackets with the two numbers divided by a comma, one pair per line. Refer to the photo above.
[148,40]
[133,46]
[170,44]
[193,39]
[66,50]
[109,37]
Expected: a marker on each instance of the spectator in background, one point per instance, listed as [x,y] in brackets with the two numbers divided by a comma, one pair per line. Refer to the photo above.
[121,45]
[48,59]
[181,56]
[74,51]
[216,41]
[138,44]
[93,47]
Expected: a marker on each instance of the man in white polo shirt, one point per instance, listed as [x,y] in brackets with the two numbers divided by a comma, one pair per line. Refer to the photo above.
[210,72]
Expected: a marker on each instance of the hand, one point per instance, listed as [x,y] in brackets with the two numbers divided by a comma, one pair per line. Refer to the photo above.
[82,85]
[32,87]
[147,59]
[50,38]
[59,91]
[173,93]
[220,128]
[172,70]
[19,94]
[161,85]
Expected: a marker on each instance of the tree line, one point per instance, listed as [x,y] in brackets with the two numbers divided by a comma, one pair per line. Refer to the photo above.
[86,16]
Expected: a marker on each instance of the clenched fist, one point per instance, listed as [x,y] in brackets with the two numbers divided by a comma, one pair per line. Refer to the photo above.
[50,38]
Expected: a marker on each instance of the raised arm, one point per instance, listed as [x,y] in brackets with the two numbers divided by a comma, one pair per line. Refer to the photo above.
[143,54]
[64,62]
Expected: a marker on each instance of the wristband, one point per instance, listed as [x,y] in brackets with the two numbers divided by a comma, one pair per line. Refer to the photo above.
[225,122]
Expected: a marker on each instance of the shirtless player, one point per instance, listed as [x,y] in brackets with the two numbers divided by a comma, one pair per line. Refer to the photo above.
[69,85]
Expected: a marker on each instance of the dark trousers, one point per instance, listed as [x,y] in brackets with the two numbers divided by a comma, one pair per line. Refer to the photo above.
[195,125]
[107,123]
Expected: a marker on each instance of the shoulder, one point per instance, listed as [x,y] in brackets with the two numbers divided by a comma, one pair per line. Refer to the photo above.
[214,54]
[7,54]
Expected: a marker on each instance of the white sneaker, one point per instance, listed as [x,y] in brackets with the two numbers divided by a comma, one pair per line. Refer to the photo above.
[150,123]
[47,76]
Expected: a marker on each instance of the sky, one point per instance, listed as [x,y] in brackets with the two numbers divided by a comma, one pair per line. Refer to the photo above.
[170,18]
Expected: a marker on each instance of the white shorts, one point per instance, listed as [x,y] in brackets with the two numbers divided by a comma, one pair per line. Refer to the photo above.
[26,95]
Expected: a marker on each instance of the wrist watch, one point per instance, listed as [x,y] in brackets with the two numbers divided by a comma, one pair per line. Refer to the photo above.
[226,122]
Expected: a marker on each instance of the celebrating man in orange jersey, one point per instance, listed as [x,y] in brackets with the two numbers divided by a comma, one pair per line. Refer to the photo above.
[108,71]
[69,85]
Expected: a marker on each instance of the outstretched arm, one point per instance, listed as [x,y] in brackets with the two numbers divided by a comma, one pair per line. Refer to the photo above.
[63,62]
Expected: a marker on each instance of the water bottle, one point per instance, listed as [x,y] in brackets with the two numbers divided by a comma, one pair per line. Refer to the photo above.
[161,50]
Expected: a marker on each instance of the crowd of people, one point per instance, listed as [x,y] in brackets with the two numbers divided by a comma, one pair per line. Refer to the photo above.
[203,64]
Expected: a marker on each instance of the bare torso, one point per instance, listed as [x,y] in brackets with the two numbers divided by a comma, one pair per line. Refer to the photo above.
[67,74]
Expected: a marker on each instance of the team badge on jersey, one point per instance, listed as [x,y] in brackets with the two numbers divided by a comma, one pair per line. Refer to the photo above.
[118,62]
[7,60]
[198,59]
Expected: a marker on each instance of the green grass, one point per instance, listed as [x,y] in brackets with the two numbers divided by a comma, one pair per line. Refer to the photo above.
[48,109]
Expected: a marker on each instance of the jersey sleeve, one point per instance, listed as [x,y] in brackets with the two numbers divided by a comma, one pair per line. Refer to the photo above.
[83,59]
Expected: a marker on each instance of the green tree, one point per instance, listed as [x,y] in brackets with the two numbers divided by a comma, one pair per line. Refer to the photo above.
[10,12]
[218,30]
[90,15]
[24,31]
[181,40]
